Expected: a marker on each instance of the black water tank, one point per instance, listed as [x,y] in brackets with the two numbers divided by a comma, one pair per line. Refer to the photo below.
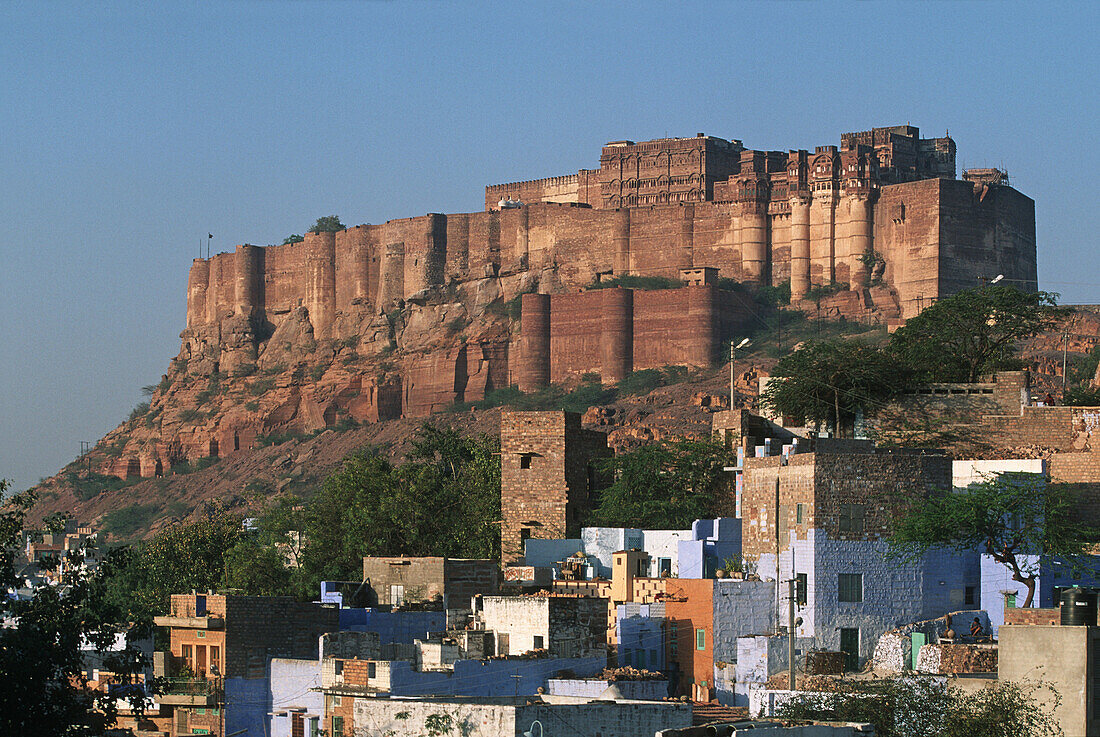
[1078,607]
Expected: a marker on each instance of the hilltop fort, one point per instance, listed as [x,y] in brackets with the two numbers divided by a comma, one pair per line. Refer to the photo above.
[410,316]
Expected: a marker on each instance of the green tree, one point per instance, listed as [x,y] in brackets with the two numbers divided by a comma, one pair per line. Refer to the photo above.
[295,238]
[327,224]
[830,382]
[43,639]
[183,557]
[929,707]
[1012,517]
[665,485]
[974,332]
[444,500]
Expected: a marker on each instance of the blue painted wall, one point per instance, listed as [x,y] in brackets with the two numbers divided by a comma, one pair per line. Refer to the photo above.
[401,627]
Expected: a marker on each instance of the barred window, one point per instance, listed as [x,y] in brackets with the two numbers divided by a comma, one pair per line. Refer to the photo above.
[850,587]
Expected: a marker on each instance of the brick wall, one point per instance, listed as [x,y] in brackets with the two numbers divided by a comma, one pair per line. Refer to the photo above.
[547,476]
[268,626]
[689,605]
[1032,615]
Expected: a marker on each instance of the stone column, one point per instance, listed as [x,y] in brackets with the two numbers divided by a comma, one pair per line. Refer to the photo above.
[534,330]
[800,247]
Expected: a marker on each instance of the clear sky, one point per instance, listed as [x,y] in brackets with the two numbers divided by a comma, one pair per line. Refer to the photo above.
[130,131]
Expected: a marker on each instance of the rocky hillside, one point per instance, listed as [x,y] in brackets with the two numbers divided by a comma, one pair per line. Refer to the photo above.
[297,405]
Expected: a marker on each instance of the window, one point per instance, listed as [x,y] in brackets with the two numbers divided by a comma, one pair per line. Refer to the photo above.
[851,518]
[215,661]
[372,670]
[314,727]
[968,595]
[339,667]
[187,655]
[337,726]
[337,701]
[673,642]
[801,587]
[525,460]
[850,587]
[664,566]
[700,639]
[538,642]
[1010,600]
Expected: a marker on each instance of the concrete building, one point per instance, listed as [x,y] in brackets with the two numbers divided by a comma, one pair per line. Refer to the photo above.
[821,519]
[563,626]
[217,662]
[694,553]
[1064,660]
[447,583]
[508,717]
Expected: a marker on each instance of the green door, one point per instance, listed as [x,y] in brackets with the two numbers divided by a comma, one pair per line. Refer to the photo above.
[918,640]
[849,643]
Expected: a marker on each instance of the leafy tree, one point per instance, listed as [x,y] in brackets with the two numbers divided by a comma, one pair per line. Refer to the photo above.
[1081,396]
[831,382]
[183,557]
[43,639]
[929,707]
[295,238]
[664,485]
[1012,517]
[443,500]
[327,224]
[974,332]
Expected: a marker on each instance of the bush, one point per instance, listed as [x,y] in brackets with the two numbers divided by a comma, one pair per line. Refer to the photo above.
[260,387]
[123,523]
[292,238]
[317,372]
[646,380]
[252,406]
[91,485]
[350,358]
[628,281]
[818,292]
[243,370]
[350,342]
[774,296]
[138,411]
[1081,396]
[327,224]
[190,415]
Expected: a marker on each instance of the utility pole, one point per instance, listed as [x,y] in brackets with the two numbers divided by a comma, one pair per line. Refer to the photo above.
[792,588]
[733,353]
[1065,348]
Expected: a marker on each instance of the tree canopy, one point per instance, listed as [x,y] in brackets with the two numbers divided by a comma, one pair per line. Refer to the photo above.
[443,500]
[930,707]
[665,485]
[958,339]
[830,382]
[327,224]
[44,637]
[973,332]
[1012,517]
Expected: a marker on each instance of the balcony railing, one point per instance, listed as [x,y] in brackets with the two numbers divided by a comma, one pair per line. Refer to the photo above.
[188,692]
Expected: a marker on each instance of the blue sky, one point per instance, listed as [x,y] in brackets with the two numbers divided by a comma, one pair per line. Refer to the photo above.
[130,131]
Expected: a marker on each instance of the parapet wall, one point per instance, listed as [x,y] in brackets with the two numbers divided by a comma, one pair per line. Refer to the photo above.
[935,236]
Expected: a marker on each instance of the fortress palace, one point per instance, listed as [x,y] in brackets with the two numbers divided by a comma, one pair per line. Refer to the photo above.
[880,220]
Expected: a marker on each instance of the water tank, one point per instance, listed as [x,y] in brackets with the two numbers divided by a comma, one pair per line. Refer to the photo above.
[1078,607]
